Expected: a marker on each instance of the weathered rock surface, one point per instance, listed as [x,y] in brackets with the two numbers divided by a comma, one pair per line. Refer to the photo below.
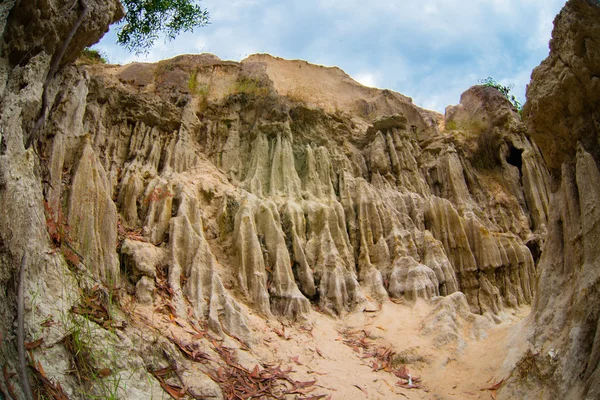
[205,191]
[562,112]
[564,95]
[319,204]
[450,320]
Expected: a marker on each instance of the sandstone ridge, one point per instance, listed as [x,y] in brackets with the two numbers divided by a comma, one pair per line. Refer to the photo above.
[200,195]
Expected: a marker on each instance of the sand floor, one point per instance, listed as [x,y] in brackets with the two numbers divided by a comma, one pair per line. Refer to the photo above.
[318,349]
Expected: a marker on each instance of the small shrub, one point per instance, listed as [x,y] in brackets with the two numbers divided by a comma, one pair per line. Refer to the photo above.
[249,86]
[92,56]
[162,68]
[505,90]
[83,365]
[201,90]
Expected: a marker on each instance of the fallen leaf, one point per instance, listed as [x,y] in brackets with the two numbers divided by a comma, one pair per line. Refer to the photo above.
[319,352]
[48,323]
[40,369]
[373,310]
[304,384]
[34,344]
[296,359]
[174,391]
[7,382]
[55,391]
[362,390]
[407,386]
[495,386]
[104,372]
[163,371]
[388,384]
[317,372]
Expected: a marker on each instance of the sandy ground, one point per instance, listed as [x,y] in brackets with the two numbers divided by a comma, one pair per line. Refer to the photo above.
[316,349]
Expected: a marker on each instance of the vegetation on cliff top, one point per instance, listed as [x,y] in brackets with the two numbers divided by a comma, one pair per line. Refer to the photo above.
[505,90]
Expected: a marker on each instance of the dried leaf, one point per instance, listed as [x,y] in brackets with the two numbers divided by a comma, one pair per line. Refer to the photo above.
[104,372]
[48,323]
[407,386]
[7,382]
[55,391]
[174,391]
[373,310]
[317,372]
[388,384]
[34,344]
[296,360]
[279,333]
[304,384]
[163,371]
[40,369]
[362,390]
[7,375]
[495,386]
[319,352]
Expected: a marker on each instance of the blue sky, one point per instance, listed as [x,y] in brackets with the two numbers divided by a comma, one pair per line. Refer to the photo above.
[430,50]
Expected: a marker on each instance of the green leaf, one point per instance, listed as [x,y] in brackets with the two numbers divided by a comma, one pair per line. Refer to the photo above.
[146,20]
[505,90]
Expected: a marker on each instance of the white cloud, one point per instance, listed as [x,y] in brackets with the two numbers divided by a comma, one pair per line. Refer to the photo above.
[366,79]
[430,50]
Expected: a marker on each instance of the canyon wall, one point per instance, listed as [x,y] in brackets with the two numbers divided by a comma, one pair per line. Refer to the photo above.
[562,113]
[214,191]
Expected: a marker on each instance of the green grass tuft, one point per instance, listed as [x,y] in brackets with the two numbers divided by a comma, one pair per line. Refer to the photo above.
[92,56]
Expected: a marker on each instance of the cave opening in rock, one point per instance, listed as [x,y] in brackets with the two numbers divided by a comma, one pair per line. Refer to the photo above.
[535,248]
[514,157]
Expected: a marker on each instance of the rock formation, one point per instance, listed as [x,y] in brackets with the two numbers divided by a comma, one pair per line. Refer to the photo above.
[315,205]
[210,191]
[562,113]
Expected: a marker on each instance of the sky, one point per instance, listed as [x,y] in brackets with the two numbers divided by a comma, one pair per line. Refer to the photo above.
[429,50]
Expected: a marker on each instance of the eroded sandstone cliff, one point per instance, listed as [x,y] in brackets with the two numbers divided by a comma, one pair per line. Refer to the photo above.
[562,113]
[306,203]
[210,191]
